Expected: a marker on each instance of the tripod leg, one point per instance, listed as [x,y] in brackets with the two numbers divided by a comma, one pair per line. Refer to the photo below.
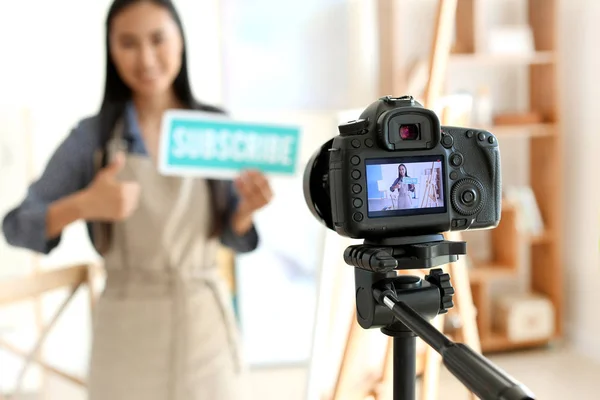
[405,356]
[433,364]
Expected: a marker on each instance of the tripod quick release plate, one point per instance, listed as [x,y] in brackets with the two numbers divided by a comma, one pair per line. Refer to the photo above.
[394,254]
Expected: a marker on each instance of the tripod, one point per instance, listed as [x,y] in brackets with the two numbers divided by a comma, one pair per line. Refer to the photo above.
[400,306]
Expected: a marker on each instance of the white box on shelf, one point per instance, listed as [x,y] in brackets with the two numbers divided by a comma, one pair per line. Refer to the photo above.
[511,39]
[524,317]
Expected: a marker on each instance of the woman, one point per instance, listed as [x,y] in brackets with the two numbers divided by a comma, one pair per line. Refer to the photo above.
[403,189]
[163,327]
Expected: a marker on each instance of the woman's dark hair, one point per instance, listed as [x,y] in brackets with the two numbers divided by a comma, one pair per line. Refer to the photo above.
[405,171]
[117,94]
[115,90]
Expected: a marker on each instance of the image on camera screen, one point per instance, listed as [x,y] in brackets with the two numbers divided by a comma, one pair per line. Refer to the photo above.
[407,186]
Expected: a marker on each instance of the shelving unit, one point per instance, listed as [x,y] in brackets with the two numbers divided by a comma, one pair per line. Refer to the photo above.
[398,54]
[545,162]
[481,60]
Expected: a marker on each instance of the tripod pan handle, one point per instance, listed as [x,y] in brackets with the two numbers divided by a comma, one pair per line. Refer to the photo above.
[483,378]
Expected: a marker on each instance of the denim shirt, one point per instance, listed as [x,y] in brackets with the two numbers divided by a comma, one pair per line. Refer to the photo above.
[70,169]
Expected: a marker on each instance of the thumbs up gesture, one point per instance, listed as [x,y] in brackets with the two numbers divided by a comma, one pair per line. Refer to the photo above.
[107,198]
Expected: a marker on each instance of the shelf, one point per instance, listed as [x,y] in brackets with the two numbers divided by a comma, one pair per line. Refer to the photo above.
[541,239]
[483,272]
[539,123]
[537,58]
[527,130]
[496,342]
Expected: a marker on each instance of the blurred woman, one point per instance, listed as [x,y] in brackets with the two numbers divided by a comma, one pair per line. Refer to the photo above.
[163,327]
[403,188]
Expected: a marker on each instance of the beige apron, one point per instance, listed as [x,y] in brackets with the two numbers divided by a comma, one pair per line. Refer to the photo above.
[164,327]
[404,197]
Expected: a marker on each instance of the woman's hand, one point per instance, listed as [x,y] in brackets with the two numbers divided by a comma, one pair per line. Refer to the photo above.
[254,193]
[107,198]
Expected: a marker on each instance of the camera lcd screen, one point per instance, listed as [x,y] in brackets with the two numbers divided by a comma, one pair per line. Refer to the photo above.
[405,186]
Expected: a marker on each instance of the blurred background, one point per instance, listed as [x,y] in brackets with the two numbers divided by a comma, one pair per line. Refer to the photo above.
[523,69]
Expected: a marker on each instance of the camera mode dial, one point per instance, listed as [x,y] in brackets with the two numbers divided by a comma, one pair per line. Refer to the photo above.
[468,196]
[438,278]
[357,127]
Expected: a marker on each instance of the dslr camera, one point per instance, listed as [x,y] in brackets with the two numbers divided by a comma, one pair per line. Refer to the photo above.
[398,179]
[396,172]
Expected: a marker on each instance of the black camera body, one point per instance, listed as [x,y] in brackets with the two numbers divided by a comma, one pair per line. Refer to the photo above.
[397,172]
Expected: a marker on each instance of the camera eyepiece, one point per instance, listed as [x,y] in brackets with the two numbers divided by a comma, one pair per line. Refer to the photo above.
[409,132]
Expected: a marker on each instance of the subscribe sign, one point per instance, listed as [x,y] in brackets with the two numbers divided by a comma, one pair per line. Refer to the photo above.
[198,144]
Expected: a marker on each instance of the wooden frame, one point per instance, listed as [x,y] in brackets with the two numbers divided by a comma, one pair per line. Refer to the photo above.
[32,287]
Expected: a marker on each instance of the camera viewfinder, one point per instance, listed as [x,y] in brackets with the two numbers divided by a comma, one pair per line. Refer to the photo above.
[409,132]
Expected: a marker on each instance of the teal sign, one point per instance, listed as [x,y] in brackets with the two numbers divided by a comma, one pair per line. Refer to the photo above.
[200,144]
[413,181]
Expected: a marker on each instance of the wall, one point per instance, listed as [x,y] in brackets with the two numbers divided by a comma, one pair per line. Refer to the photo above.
[299,55]
[302,61]
[580,90]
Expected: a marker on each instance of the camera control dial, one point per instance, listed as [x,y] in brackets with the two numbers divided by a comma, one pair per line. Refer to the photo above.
[468,196]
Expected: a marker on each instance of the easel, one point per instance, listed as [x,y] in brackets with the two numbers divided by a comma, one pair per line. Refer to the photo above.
[20,289]
[379,388]
[430,194]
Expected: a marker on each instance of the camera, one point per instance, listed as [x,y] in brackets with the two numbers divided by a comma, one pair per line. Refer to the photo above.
[395,171]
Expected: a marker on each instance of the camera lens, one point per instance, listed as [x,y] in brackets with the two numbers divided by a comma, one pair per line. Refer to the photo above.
[409,132]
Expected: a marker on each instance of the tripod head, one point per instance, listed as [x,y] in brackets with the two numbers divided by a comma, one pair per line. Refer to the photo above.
[375,267]
[400,306]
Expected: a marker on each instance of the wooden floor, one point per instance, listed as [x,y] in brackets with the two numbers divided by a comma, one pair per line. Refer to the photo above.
[554,374]
[551,375]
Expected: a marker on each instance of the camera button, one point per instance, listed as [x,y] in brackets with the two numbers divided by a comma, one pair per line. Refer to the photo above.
[454,175]
[356,189]
[358,217]
[458,223]
[356,174]
[357,203]
[369,142]
[469,196]
[355,143]
[470,134]
[353,127]
[481,136]
[456,160]
[491,140]
[355,160]
[447,140]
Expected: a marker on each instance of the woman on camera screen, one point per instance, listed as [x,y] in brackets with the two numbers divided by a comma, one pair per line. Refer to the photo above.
[403,188]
